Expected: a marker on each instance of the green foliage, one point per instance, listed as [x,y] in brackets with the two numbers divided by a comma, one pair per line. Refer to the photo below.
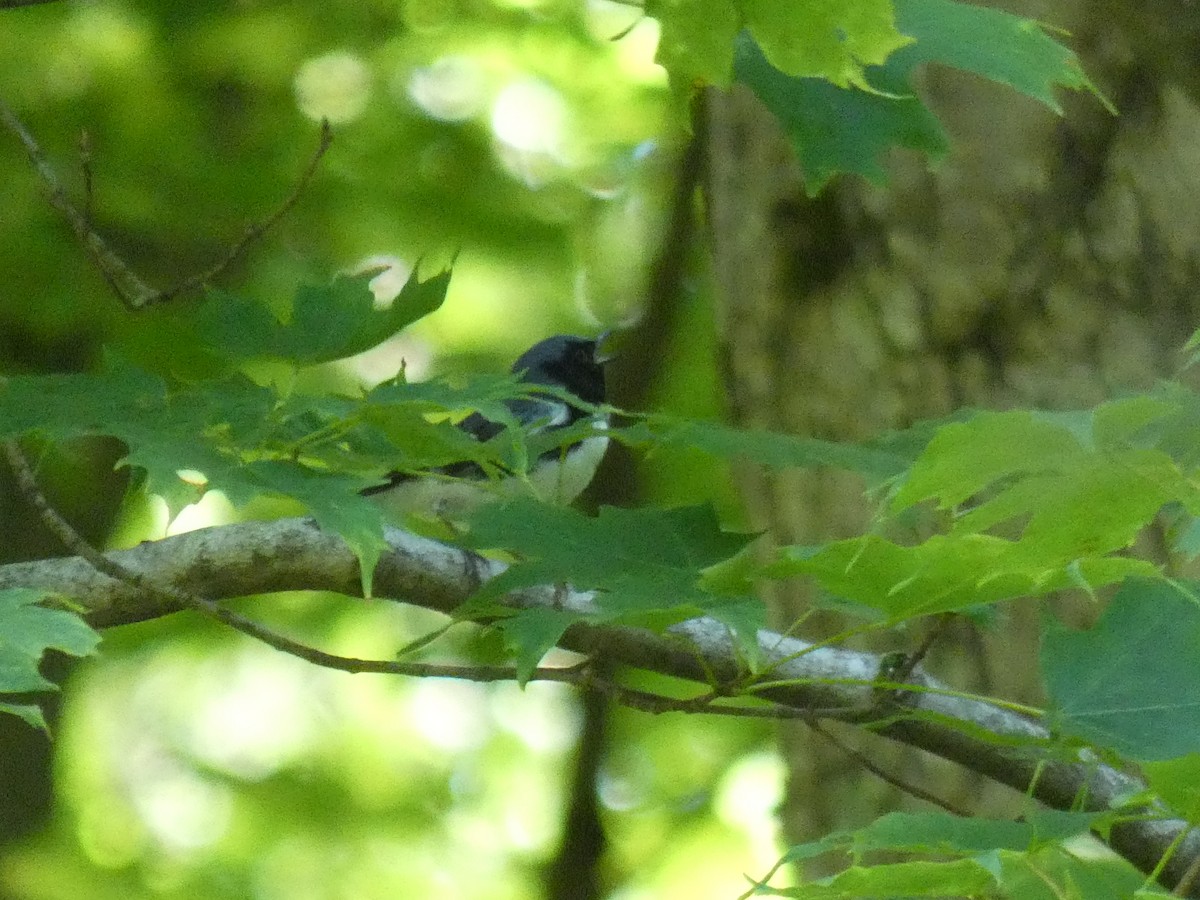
[325,322]
[1131,682]
[844,125]
[647,565]
[975,857]
[27,631]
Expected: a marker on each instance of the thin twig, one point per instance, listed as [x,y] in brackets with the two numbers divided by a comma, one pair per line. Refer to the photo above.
[13,4]
[256,231]
[85,166]
[915,658]
[126,284]
[919,793]
[134,292]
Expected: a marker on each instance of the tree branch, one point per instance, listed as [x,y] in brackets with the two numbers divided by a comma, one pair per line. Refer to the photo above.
[13,4]
[825,682]
[126,284]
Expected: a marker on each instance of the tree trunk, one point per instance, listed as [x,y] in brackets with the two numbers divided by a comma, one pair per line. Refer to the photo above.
[1048,262]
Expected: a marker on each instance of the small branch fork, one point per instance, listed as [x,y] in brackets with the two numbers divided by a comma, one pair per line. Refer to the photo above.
[125,283]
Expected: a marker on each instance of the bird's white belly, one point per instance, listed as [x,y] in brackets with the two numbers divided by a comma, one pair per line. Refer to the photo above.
[557,479]
[562,478]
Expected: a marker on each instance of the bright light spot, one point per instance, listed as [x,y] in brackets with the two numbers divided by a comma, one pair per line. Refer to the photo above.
[182,810]
[543,715]
[748,799]
[451,715]
[452,89]
[530,121]
[213,508]
[635,52]
[393,274]
[606,19]
[618,794]
[192,477]
[530,115]
[335,86]
[258,716]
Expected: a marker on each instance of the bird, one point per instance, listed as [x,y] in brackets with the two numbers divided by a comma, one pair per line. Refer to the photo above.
[566,362]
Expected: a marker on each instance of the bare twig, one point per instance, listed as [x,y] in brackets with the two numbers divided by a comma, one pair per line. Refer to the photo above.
[256,231]
[133,292]
[866,763]
[126,284]
[13,4]
[85,166]
[915,658]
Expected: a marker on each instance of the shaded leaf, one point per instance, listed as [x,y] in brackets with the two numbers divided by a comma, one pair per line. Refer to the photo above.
[27,631]
[327,322]
[1132,682]
[531,633]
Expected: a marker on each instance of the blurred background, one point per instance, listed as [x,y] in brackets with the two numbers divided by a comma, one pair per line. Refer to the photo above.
[530,142]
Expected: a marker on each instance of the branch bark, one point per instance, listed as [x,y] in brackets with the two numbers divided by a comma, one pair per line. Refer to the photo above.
[830,682]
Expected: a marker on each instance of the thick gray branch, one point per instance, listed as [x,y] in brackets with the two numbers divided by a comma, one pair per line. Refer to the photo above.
[293,554]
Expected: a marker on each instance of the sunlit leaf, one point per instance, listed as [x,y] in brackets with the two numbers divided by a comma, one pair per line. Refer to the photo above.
[696,41]
[824,38]
[946,573]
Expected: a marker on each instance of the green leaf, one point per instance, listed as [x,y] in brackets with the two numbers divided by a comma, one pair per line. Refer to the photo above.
[1008,49]
[1132,682]
[824,39]
[695,43]
[646,562]
[1096,507]
[1080,492]
[327,322]
[331,497]
[844,124]
[59,407]
[27,630]
[877,461]
[964,458]
[531,633]
[946,573]
[31,715]
[1177,781]
[943,833]
[921,878]
[838,130]
[200,427]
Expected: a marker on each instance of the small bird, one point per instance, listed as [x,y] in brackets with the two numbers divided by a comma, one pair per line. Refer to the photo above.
[567,362]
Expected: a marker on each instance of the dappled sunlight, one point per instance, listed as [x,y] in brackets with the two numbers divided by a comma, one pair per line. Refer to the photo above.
[213,508]
[451,88]
[531,123]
